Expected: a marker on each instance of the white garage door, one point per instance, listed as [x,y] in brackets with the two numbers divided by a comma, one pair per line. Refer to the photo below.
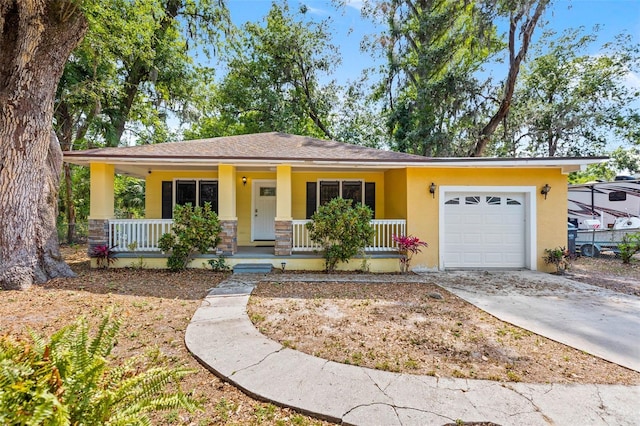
[484,230]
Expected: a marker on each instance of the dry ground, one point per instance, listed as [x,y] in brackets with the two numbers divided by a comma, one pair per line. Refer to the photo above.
[391,326]
[155,308]
[423,329]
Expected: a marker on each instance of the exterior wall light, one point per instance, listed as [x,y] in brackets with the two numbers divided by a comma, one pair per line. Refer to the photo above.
[244,181]
[432,190]
[545,190]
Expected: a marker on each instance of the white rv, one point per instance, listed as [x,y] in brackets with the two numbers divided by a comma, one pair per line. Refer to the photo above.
[604,202]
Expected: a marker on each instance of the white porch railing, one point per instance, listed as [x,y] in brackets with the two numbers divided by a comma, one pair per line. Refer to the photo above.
[382,239]
[142,234]
[137,234]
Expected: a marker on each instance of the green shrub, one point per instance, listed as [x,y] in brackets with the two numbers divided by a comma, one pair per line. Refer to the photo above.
[195,230]
[341,230]
[559,257]
[630,245]
[67,380]
[219,264]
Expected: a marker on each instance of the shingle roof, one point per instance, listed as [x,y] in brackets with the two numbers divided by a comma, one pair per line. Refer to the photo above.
[259,146]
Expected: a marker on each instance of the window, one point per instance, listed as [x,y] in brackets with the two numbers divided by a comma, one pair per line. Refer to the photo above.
[186,192]
[493,201]
[512,202]
[349,190]
[618,196]
[472,200]
[194,192]
[453,201]
[324,191]
[267,191]
[197,192]
[208,193]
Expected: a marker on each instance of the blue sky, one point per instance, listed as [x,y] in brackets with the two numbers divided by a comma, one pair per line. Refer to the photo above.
[614,16]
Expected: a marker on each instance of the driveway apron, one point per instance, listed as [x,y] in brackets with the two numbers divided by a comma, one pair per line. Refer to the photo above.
[590,318]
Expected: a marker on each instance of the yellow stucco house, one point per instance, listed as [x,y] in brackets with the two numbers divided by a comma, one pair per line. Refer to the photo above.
[473,212]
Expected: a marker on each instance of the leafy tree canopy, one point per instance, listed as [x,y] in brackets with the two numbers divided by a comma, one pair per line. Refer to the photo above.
[273,80]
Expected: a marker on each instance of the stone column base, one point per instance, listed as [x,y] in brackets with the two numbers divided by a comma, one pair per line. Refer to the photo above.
[229,237]
[98,233]
[284,238]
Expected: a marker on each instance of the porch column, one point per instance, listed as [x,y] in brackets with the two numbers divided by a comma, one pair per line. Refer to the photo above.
[101,203]
[227,209]
[284,218]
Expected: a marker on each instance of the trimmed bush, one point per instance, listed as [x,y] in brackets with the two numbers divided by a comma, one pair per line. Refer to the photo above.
[195,230]
[341,230]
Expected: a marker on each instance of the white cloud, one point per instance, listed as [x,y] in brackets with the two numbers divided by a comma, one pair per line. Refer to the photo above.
[632,80]
[356,4]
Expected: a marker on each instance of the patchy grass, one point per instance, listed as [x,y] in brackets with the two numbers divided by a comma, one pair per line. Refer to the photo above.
[399,327]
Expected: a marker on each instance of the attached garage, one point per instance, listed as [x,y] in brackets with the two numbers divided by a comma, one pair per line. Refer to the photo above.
[486,228]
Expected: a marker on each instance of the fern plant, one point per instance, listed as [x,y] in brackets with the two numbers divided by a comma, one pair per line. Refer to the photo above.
[67,380]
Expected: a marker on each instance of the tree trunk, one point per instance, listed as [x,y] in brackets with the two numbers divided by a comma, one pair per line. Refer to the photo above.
[65,125]
[36,38]
[70,207]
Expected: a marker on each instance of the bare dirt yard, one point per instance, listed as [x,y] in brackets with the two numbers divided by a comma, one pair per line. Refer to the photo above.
[396,327]
[420,328]
[155,308]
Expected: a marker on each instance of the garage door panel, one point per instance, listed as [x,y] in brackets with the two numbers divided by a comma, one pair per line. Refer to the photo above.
[485,230]
[472,239]
[493,239]
[492,220]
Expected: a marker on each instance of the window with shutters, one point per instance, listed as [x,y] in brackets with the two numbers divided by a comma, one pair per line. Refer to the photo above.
[195,192]
[347,189]
[323,191]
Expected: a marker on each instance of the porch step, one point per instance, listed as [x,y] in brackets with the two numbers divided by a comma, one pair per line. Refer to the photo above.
[252,268]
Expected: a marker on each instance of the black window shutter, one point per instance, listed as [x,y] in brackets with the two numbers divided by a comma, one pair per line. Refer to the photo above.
[214,203]
[370,196]
[311,199]
[167,199]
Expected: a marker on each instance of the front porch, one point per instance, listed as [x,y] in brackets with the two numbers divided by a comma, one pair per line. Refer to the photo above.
[135,241]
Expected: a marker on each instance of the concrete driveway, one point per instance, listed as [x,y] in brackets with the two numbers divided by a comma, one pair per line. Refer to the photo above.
[598,321]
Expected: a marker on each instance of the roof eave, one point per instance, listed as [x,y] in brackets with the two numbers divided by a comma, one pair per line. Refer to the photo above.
[566,164]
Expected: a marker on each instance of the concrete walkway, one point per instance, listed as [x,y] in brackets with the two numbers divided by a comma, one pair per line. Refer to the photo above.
[222,337]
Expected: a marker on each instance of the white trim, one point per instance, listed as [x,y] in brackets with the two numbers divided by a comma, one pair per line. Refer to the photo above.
[253,200]
[564,163]
[531,234]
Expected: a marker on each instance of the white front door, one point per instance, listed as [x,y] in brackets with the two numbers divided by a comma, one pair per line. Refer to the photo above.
[263,223]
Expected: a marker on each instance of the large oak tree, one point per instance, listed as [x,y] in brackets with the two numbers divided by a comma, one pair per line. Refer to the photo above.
[36,38]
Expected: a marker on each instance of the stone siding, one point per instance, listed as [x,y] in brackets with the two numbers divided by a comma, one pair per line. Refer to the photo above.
[98,233]
[284,238]
[229,237]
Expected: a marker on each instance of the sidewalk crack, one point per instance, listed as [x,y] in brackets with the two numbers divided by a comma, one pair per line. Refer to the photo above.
[259,362]
[535,407]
